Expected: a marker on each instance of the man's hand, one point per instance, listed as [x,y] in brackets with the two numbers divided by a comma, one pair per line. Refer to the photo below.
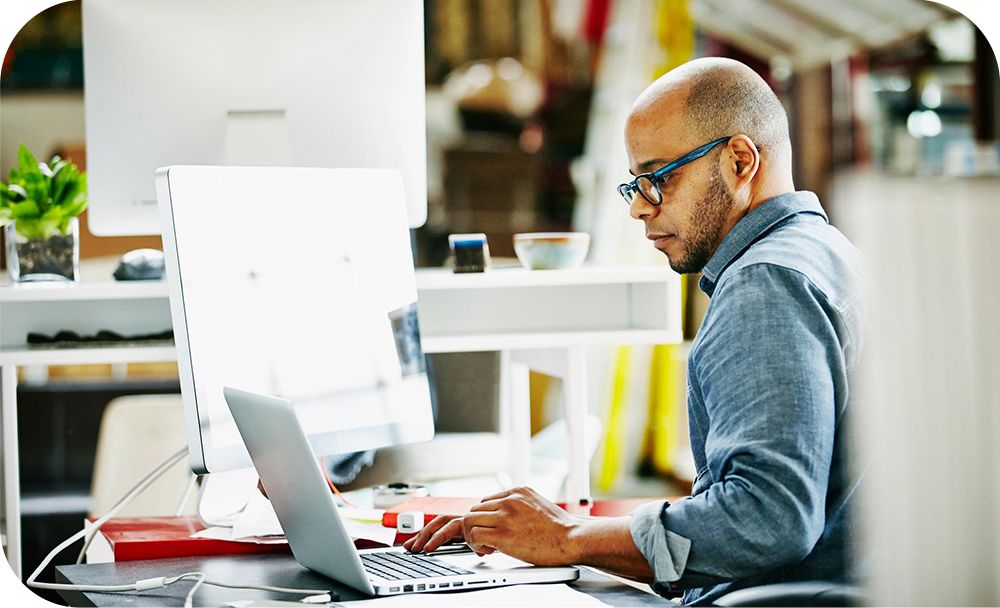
[518,522]
[437,532]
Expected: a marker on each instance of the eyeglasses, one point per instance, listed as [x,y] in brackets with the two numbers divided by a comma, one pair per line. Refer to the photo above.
[649,184]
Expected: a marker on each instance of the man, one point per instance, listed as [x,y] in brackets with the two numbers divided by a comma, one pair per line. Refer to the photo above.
[768,373]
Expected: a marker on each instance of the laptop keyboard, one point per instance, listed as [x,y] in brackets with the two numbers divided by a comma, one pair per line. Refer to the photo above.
[401,566]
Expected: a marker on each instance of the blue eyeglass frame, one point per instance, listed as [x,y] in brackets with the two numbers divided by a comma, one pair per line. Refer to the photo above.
[629,189]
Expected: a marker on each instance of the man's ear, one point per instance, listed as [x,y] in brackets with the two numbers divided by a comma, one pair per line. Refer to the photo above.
[745,157]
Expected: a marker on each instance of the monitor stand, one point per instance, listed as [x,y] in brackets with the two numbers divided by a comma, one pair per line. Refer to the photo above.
[257,138]
[223,495]
[253,138]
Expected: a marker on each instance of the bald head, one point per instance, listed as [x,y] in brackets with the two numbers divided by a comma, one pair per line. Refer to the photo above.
[716,97]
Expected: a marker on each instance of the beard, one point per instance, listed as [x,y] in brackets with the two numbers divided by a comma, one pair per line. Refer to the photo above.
[708,218]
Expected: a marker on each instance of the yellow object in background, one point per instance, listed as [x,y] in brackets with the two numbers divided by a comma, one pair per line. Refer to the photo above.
[667,392]
[674,34]
[615,429]
[667,386]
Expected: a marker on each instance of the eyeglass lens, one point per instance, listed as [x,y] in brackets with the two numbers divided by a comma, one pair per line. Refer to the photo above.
[649,190]
[644,186]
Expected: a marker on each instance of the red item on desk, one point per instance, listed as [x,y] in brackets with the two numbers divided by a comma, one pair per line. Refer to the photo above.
[134,538]
[432,506]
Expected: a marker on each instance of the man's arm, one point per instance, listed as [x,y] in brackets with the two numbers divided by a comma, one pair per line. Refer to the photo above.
[523,524]
[769,371]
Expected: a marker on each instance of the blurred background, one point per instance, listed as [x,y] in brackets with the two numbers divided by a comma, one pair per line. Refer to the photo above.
[893,108]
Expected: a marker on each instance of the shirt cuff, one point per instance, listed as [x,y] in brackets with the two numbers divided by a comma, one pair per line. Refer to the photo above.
[666,552]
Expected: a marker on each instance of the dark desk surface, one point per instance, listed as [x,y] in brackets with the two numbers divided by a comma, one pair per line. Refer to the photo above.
[269,569]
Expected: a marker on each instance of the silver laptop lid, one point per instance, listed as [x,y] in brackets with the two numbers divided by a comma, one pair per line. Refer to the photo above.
[296,487]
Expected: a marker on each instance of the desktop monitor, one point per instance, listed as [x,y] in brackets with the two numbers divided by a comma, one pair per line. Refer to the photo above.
[309,83]
[297,283]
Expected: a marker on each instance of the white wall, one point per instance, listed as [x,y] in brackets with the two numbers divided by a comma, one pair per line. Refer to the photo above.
[930,413]
[41,121]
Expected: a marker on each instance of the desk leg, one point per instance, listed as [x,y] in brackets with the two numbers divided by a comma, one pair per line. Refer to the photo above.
[516,408]
[570,365]
[11,466]
[575,411]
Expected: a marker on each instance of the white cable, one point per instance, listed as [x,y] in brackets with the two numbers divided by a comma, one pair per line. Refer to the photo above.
[139,488]
[264,587]
[142,485]
[149,583]
[199,581]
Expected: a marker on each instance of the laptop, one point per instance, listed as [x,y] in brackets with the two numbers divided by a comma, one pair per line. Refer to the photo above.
[316,534]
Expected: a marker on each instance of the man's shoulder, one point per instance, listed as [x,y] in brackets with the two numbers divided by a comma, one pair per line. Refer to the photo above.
[813,249]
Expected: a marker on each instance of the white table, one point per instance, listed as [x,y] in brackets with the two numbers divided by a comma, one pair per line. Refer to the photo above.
[540,320]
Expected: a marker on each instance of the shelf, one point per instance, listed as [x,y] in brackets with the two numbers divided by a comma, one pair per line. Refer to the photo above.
[83,291]
[433,279]
[22,355]
[526,309]
[505,308]
[525,341]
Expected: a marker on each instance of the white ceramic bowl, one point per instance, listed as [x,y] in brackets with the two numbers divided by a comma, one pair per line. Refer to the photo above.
[551,250]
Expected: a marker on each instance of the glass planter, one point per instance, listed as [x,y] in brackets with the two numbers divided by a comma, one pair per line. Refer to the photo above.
[56,258]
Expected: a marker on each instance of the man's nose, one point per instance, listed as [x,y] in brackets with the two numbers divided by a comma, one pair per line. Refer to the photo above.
[641,208]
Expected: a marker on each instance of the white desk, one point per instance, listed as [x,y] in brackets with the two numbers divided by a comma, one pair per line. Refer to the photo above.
[540,320]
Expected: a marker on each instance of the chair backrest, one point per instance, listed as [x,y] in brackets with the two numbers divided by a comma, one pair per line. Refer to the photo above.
[138,433]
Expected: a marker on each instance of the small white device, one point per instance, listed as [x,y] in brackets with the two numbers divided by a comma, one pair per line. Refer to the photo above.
[410,522]
[316,534]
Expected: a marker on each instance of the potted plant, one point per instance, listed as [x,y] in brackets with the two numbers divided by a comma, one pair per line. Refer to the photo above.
[39,205]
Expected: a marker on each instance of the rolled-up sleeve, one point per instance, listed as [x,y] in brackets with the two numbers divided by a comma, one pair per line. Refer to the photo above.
[665,551]
[766,371]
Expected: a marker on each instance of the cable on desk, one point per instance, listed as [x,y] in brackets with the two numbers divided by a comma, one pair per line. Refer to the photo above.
[149,583]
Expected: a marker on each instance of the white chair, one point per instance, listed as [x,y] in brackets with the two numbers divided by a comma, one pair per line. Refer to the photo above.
[137,434]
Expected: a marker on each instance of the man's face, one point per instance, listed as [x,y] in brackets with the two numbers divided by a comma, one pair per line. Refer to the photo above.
[690,222]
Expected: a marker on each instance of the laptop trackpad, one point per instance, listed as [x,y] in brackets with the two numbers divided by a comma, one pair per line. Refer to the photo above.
[493,562]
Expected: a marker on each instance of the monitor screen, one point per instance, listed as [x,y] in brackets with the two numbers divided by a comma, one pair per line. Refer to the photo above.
[309,83]
[283,283]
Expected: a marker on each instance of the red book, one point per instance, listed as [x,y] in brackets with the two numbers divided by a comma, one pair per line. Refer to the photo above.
[432,506]
[132,538]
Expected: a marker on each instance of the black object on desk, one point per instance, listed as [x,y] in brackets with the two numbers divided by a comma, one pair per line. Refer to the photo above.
[140,265]
[267,569]
[104,337]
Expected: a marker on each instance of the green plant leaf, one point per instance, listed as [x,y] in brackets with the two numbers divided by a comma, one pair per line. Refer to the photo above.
[26,160]
[60,182]
[50,227]
[58,165]
[36,188]
[30,229]
[67,184]
[43,197]
[25,210]
[74,209]
[70,192]
[54,214]
[82,196]
[36,228]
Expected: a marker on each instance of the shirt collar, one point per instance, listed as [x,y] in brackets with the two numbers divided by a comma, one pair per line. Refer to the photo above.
[753,226]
